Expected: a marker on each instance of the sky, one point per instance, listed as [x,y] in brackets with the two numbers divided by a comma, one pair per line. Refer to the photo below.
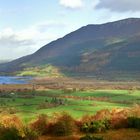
[27,25]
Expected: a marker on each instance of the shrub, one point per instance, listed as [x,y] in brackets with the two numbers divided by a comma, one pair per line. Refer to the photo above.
[10,121]
[134,122]
[107,124]
[95,126]
[63,126]
[88,137]
[9,133]
[40,126]
[85,127]
[119,118]
[119,122]
[29,134]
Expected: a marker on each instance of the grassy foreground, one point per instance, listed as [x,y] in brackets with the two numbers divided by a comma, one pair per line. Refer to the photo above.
[104,125]
[99,114]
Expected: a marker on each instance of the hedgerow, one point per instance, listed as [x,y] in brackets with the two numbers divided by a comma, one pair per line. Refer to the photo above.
[63,124]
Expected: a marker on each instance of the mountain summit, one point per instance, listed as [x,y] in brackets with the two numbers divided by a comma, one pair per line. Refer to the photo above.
[113,46]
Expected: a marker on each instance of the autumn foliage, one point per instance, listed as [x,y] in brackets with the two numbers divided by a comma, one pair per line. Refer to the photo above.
[62,124]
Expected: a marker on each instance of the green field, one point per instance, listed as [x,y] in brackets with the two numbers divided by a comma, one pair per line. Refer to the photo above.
[78,103]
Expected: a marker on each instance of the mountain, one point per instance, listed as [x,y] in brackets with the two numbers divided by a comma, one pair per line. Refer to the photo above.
[110,47]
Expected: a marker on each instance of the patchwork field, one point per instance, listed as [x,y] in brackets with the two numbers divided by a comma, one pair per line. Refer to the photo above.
[30,104]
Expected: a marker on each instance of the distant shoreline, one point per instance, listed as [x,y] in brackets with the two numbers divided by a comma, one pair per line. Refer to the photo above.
[70,83]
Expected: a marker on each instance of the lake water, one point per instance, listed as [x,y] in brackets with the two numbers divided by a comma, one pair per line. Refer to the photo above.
[14,80]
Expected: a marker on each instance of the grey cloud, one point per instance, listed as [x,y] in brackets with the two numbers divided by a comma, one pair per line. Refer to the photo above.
[14,44]
[13,41]
[119,5]
[12,48]
[14,52]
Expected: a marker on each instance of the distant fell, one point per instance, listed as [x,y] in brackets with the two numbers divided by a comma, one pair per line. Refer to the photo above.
[101,48]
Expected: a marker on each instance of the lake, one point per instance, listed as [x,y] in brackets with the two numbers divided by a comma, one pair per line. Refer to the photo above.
[14,80]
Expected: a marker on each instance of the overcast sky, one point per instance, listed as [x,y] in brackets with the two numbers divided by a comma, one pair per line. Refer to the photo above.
[27,25]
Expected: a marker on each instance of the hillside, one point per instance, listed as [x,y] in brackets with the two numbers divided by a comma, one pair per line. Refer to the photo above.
[110,47]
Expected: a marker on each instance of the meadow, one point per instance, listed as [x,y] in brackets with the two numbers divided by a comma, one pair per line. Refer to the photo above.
[29,104]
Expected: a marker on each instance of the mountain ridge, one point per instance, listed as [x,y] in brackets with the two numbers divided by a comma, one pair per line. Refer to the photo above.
[86,47]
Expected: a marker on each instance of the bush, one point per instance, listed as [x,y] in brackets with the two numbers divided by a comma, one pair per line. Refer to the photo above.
[134,122]
[119,122]
[88,137]
[63,126]
[95,126]
[10,121]
[40,126]
[9,133]
[29,134]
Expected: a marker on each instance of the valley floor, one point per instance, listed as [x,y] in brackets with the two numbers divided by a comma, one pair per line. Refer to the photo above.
[77,97]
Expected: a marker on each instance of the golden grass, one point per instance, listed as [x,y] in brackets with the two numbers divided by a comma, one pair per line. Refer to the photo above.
[60,138]
[122,134]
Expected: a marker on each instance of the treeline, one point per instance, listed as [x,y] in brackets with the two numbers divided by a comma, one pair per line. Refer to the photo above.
[63,124]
